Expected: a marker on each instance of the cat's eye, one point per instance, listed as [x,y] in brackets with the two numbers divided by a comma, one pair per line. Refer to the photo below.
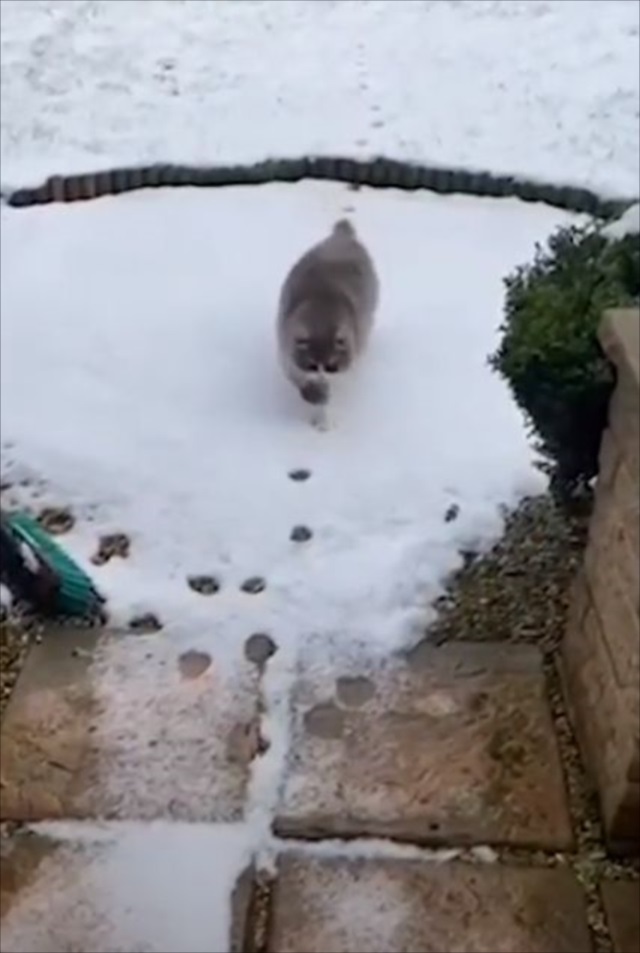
[302,344]
[341,344]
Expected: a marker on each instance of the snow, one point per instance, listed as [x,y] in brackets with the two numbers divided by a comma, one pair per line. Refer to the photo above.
[29,557]
[627,224]
[544,88]
[161,411]
[153,751]
[379,905]
[6,599]
[140,383]
[127,888]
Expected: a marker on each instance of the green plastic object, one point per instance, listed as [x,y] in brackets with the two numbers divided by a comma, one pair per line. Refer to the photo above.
[77,596]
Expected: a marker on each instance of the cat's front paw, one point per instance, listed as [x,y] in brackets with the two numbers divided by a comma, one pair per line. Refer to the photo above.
[320,419]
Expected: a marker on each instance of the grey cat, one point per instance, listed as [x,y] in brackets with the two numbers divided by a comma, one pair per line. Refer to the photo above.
[325,315]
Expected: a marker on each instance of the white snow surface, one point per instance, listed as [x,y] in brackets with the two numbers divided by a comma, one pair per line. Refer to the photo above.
[627,224]
[548,89]
[6,599]
[140,386]
[139,377]
[165,886]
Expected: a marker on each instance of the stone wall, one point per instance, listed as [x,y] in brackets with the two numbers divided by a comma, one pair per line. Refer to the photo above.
[601,649]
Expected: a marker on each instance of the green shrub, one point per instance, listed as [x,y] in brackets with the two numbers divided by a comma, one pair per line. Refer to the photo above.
[549,353]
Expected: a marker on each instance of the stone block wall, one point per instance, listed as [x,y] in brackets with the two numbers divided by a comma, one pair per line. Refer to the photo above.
[601,649]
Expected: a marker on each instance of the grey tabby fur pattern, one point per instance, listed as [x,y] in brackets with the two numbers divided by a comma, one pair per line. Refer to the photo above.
[325,315]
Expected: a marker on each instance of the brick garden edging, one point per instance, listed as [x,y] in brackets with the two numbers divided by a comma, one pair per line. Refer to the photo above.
[601,649]
[378,173]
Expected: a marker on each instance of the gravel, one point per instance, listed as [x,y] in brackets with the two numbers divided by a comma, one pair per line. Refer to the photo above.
[13,647]
[519,591]
[17,631]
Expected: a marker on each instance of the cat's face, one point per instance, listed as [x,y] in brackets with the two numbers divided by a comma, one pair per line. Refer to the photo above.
[330,353]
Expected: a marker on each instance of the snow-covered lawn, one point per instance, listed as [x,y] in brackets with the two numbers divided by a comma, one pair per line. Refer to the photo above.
[545,88]
[140,378]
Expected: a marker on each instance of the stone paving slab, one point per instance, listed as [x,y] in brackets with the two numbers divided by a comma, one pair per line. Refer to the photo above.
[125,888]
[456,747]
[622,905]
[119,726]
[374,905]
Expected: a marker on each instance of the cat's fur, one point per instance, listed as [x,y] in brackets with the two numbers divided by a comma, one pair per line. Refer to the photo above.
[325,315]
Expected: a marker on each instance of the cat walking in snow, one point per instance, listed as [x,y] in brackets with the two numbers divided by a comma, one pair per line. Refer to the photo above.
[325,315]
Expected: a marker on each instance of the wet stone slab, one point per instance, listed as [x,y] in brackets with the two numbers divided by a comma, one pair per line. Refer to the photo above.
[125,888]
[127,727]
[456,747]
[622,905]
[339,905]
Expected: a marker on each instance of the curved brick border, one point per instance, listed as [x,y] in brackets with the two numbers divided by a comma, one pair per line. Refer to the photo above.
[380,173]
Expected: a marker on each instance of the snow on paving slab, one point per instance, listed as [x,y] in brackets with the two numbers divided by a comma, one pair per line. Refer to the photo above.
[126,889]
[139,377]
[549,90]
[129,729]
[408,750]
